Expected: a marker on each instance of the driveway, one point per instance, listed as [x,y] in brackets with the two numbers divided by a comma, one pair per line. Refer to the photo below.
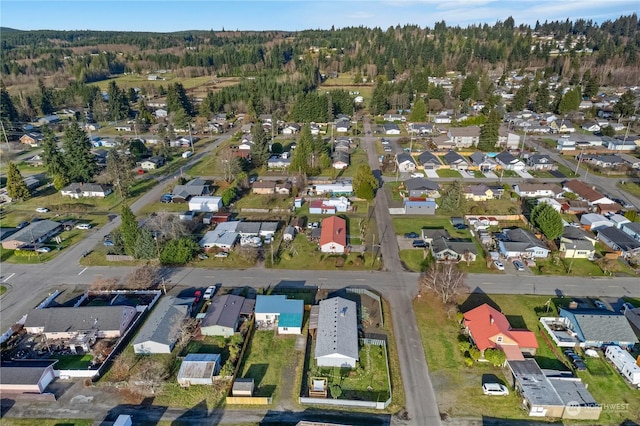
[466,175]
[490,175]
[524,174]
[431,174]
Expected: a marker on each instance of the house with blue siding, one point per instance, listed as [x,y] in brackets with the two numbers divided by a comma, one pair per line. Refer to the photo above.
[279,311]
[598,327]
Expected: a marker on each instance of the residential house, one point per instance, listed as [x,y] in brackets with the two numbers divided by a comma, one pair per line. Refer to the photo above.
[35,161]
[522,243]
[289,233]
[248,229]
[429,161]
[198,369]
[49,119]
[630,160]
[26,376]
[340,160]
[556,204]
[422,206]
[609,208]
[333,236]
[537,190]
[464,137]
[507,139]
[194,188]
[342,144]
[586,192]
[405,163]
[394,117]
[489,328]
[343,126]
[421,129]
[337,334]
[443,143]
[283,188]
[205,204]
[72,323]
[340,187]
[604,161]
[616,144]
[577,243]
[224,315]
[455,161]
[591,126]
[619,241]
[508,162]
[391,129]
[33,139]
[291,129]
[86,190]
[483,162]
[541,162]
[277,309]
[278,162]
[552,394]
[264,187]
[575,207]
[562,126]
[152,163]
[453,250]
[162,328]
[618,220]
[32,234]
[329,205]
[421,187]
[479,192]
[597,327]
[428,235]
[632,229]
[223,237]
[442,119]
[161,113]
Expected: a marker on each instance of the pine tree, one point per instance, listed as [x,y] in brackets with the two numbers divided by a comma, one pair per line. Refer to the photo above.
[46,99]
[418,112]
[8,111]
[177,98]
[302,154]
[521,98]
[453,201]
[260,147]
[129,229]
[118,102]
[570,101]
[120,170]
[78,158]
[16,188]
[489,132]
[365,183]
[51,156]
[548,220]
[542,99]
[625,106]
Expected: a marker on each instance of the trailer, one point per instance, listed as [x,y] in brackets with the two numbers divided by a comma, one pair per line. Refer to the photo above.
[624,363]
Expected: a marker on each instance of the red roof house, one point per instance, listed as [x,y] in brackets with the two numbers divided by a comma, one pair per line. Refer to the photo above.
[489,328]
[333,235]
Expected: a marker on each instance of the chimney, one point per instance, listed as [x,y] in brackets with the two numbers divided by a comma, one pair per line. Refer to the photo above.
[491,319]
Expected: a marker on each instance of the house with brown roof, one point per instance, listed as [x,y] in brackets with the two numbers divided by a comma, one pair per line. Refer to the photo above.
[489,328]
[264,187]
[333,236]
[33,139]
[586,192]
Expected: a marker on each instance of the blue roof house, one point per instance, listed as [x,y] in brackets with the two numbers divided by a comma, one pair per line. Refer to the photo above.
[280,311]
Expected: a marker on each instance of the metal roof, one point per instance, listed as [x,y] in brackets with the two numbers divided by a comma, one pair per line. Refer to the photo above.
[337,328]
[24,372]
[224,311]
[77,319]
[163,324]
[198,366]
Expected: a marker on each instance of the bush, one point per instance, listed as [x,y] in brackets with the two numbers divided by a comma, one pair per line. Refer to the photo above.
[495,357]
[474,353]
[468,362]
[464,346]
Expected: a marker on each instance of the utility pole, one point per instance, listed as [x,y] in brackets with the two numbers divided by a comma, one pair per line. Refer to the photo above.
[4,132]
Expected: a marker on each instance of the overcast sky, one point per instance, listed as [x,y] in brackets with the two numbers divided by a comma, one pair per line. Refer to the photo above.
[166,16]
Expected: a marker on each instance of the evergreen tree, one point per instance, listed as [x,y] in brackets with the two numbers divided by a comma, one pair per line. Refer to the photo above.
[145,247]
[120,170]
[418,112]
[365,183]
[118,102]
[469,88]
[489,132]
[8,112]
[625,106]
[453,201]
[78,158]
[16,188]
[548,220]
[570,101]
[260,147]
[46,99]
[521,98]
[129,229]
[51,156]
[542,99]
[592,85]
[177,98]
[302,154]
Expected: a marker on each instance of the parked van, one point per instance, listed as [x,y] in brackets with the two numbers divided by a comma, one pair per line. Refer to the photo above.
[186,154]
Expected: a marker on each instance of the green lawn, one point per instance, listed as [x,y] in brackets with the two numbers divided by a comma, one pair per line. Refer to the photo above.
[305,254]
[407,223]
[630,187]
[540,174]
[72,362]
[368,381]
[3,290]
[258,201]
[270,360]
[394,190]
[566,170]
[412,259]
[448,173]
[358,158]
[579,267]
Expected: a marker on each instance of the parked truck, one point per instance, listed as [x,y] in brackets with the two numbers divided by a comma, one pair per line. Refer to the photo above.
[624,363]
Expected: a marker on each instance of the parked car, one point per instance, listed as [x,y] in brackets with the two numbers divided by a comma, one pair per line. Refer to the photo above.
[209,292]
[267,239]
[460,226]
[495,389]
[419,244]
[580,365]
[197,295]
[518,265]
[499,265]
[42,210]
[625,306]
[43,249]
[108,243]
[412,235]
[417,175]
[140,172]
[202,256]
[22,225]
[387,149]
[222,254]
[599,304]
[83,226]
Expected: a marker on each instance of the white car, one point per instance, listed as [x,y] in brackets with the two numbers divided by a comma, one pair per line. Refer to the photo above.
[208,294]
[417,175]
[83,226]
[221,254]
[495,389]
[499,265]
[43,249]
[42,210]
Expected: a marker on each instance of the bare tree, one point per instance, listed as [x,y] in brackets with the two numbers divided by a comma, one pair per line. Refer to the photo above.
[229,164]
[167,226]
[142,278]
[149,377]
[101,283]
[444,279]
[186,331]
[121,367]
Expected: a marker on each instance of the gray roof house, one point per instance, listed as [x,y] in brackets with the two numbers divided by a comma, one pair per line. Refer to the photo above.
[88,190]
[194,188]
[405,162]
[223,316]
[34,233]
[482,161]
[161,329]
[619,241]
[421,187]
[522,243]
[453,250]
[456,161]
[508,161]
[632,229]
[26,376]
[540,162]
[429,160]
[337,334]
[597,327]
[421,206]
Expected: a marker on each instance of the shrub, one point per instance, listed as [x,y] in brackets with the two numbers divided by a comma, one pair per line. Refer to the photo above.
[474,353]
[468,362]
[495,357]
[464,346]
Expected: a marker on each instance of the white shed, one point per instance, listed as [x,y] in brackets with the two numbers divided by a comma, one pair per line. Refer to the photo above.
[205,204]
[198,369]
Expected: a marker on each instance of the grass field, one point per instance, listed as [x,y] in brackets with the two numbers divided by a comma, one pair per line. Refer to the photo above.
[271,361]
[72,362]
[412,259]
[630,187]
[448,173]
[3,290]
[305,254]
